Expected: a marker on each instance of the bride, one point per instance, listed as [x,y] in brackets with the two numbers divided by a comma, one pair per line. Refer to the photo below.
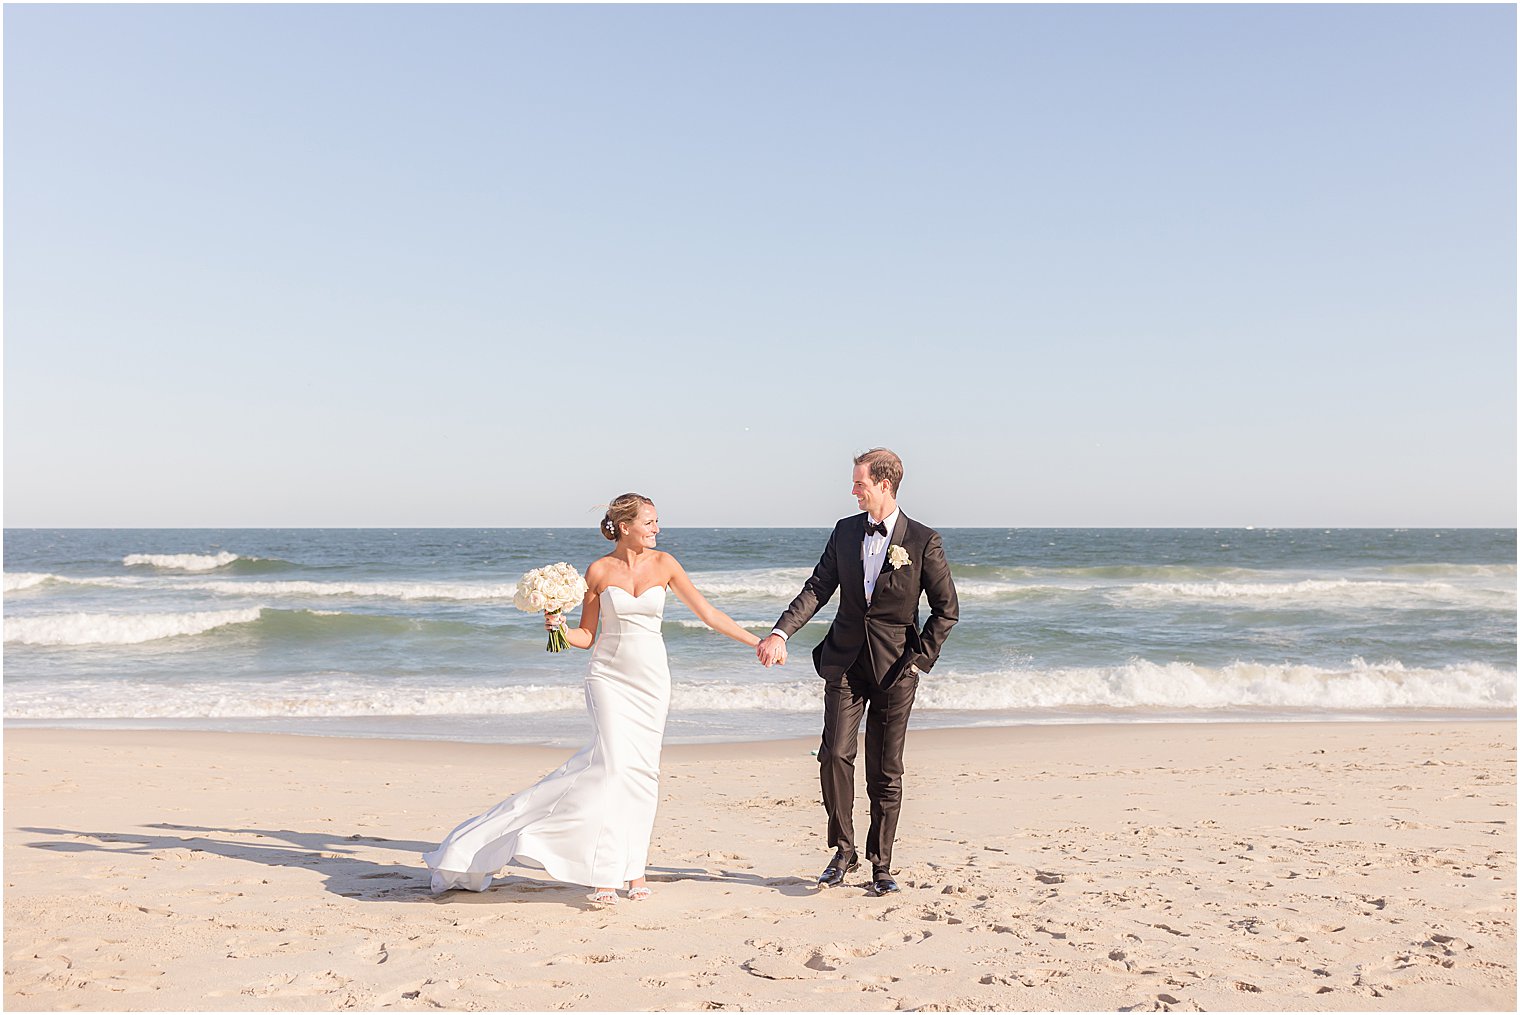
[589,821]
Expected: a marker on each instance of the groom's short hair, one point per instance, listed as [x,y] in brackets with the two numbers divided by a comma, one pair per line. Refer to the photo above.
[882,464]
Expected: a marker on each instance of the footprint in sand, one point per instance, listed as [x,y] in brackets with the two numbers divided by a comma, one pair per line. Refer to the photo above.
[579,960]
[1445,945]
[1170,930]
[774,968]
[937,913]
[949,1004]
[298,985]
[372,952]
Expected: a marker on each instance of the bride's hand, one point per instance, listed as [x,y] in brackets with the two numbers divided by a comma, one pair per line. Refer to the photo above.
[771,651]
[553,620]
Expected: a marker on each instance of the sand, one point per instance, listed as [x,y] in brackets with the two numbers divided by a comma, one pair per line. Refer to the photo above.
[1263,867]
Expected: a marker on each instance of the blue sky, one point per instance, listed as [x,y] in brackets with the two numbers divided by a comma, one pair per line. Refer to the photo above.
[492,265]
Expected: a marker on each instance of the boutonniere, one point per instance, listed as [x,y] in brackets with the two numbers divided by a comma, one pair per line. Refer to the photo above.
[897,556]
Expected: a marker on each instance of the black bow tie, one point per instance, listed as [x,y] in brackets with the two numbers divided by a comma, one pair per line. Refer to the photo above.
[877,527]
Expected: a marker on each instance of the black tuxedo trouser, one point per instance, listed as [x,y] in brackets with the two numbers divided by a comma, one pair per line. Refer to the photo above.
[845,698]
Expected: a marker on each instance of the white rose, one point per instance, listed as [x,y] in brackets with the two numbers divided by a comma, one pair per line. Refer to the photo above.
[554,587]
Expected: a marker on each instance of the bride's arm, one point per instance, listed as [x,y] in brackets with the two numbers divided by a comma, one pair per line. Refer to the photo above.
[706,612]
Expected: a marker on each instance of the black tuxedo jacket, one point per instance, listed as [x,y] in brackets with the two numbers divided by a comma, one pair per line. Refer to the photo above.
[887,628]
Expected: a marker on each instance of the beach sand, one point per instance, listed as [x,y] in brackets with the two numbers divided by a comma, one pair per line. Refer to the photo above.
[1264,867]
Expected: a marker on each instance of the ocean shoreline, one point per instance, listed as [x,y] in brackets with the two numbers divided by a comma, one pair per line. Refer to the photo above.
[920,734]
[193,726]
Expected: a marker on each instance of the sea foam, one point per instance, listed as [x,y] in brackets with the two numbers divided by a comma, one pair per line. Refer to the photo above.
[15,581]
[777,586]
[118,628]
[1320,592]
[181,561]
[458,591]
[1113,692]
[1141,684]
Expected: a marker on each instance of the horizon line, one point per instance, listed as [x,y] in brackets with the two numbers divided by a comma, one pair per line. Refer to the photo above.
[677,528]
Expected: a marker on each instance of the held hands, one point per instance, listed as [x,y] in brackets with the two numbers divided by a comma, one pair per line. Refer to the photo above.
[771,651]
[553,620]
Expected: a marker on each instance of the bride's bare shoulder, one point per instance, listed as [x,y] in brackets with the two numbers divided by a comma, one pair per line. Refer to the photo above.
[596,571]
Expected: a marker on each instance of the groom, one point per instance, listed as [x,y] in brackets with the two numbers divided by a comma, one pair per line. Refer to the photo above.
[872,657]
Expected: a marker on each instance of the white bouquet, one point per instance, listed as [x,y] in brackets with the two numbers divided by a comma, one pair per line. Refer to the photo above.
[552,589]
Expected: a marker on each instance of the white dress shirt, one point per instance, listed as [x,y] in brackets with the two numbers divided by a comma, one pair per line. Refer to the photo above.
[873,553]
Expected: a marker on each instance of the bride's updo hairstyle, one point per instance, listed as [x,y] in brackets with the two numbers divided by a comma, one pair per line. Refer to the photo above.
[622,509]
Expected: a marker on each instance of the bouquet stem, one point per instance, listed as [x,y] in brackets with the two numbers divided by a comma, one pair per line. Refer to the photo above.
[557,640]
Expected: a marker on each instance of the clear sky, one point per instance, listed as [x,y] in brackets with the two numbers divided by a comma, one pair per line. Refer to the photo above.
[493,265]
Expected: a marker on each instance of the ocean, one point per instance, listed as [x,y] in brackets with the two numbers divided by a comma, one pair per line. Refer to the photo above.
[411,632]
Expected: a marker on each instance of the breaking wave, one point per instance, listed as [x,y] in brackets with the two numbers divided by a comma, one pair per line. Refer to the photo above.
[1132,688]
[118,628]
[180,561]
[15,581]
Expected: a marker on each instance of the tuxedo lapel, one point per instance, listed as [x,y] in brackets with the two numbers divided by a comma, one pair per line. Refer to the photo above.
[886,581]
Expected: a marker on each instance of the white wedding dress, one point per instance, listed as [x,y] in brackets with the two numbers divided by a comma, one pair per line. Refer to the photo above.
[589,821]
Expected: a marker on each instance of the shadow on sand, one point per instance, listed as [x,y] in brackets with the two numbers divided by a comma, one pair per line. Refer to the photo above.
[346,873]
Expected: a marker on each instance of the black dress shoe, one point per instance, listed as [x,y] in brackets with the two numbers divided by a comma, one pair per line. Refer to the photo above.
[833,874]
[882,883]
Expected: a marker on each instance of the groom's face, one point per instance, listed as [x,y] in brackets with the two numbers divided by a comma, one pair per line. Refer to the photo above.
[871,496]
